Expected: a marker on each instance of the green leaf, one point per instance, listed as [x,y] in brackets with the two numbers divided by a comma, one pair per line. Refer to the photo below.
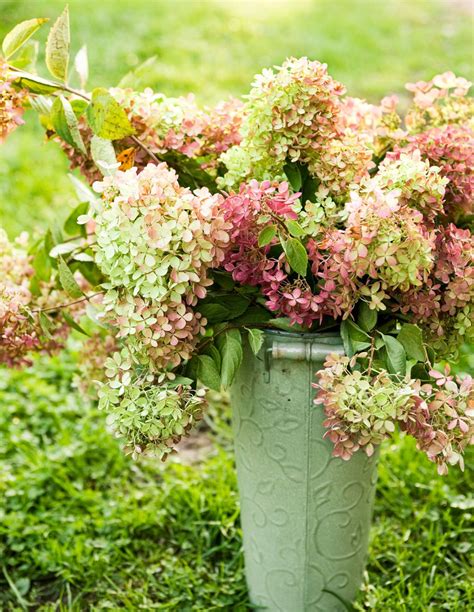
[71,226]
[103,154]
[208,372]
[346,339]
[65,123]
[42,265]
[26,58]
[295,228]
[189,170]
[218,308]
[356,333]
[230,347]
[41,104]
[420,372]
[396,356]
[106,117]
[35,84]
[214,313]
[79,106]
[285,324]
[70,321]
[91,273]
[57,47]
[45,324]
[296,255]
[366,318]
[223,279]
[213,352]
[254,314]
[354,338]
[17,37]
[255,339]
[310,188]
[267,235]
[411,337]
[67,280]
[293,174]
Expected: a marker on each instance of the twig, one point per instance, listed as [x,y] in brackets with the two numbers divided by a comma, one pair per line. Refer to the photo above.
[82,95]
[83,299]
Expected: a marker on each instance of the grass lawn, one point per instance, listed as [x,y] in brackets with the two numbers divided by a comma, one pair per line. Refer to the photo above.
[82,527]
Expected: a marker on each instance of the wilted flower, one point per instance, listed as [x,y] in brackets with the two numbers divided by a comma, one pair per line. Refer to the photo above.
[179,124]
[450,149]
[442,419]
[11,103]
[292,115]
[442,101]
[361,409]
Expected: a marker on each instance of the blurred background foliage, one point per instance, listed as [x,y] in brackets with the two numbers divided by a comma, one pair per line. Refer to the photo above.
[83,527]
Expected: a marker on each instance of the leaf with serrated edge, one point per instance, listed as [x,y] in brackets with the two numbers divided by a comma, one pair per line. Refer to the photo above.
[208,372]
[255,339]
[396,356]
[57,47]
[296,255]
[65,123]
[67,280]
[20,34]
[230,347]
[266,235]
[106,117]
[70,321]
[411,337]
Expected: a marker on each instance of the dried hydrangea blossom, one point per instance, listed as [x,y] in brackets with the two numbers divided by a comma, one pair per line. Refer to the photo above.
[20,332]
[254,207]
[364,408]
[361,409]
[451,149]
[179,124]
[292,114]
[442,101]
[442,420]
[385,245]
[155,238]
[156,242]
[421,185]
[11,103]
[380,126]
[444,305]
[150,417]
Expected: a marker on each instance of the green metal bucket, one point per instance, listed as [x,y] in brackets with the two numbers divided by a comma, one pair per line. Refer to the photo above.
[305,514]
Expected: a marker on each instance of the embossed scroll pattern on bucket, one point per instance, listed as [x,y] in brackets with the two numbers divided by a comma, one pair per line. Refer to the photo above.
[305,514]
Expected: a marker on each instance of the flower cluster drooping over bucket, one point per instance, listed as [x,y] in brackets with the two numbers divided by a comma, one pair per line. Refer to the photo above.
[299,208]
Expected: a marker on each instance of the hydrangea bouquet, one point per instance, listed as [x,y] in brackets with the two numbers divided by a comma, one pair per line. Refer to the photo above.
[299,208]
